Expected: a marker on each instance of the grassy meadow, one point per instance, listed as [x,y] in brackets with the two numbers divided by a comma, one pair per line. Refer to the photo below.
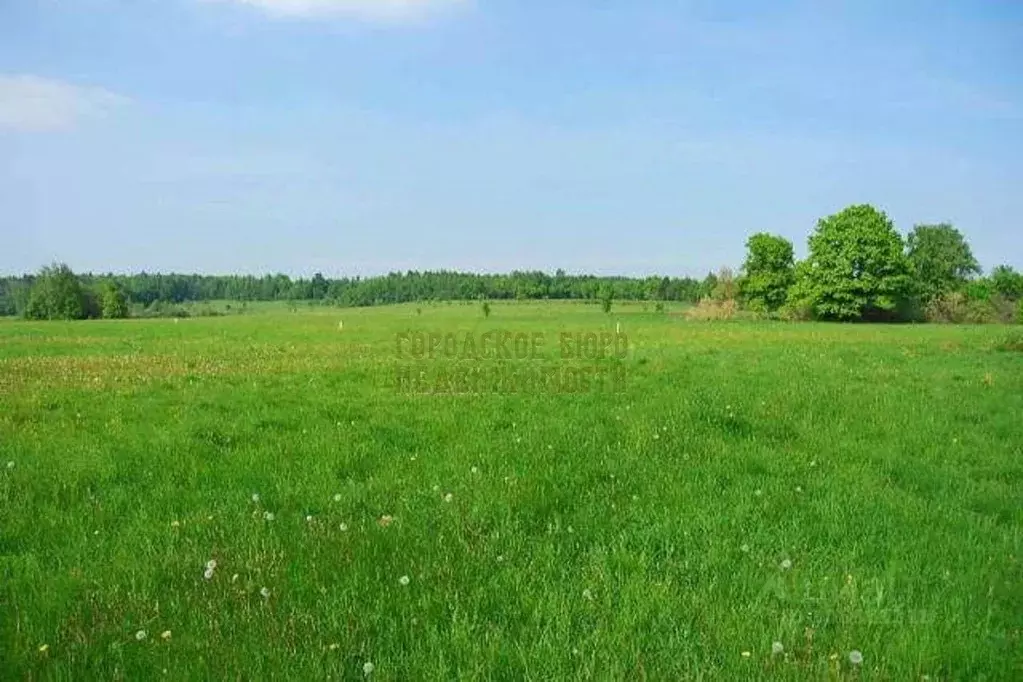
[259,497]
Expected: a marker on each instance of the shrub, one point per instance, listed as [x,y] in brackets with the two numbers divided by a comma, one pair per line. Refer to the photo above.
[796,311]
[709,309]
[948,308]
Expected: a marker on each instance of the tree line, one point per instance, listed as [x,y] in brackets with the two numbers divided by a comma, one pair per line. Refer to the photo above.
[858,267]
[56,292]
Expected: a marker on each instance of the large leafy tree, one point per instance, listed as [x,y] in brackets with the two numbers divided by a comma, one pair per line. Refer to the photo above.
[941,260]
[856,267]
[768,272]
[56,295]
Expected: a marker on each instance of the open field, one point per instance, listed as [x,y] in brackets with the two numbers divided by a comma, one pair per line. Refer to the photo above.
[833,488]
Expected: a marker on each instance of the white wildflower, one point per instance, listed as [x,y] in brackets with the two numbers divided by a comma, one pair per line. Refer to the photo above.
[140,635]
[786,564]
[368,668]
[269,516]
[337,497]
[777,648]
[166,634]
[255,497]
[449,497]
[403,580]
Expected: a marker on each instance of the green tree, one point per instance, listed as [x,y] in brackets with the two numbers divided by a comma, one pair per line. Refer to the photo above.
[1007,282]
[940,259]
[606,298]
[856,267]
[768,272]
[113,302]
[56,295]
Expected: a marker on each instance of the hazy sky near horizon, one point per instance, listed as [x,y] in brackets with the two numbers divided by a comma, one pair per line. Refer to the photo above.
[365,136]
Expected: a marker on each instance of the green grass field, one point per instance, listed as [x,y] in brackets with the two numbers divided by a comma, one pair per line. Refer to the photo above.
[832,488]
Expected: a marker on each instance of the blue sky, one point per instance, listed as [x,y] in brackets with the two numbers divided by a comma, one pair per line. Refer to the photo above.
[364,136]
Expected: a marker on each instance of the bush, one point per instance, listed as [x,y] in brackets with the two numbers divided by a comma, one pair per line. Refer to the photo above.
[948,308]
[710,309]
[1019,311]
[796,311]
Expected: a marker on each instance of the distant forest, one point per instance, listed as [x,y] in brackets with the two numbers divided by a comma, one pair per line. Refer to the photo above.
[149,289]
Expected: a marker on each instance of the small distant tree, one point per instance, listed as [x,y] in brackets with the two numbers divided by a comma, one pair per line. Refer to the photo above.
[56,294]
[486,309]
[113,302]
[940,259]
[768,272]
[606,298]
[726,287]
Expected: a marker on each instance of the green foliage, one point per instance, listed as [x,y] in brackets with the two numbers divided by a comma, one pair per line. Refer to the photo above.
[406,287]
[768,272]
[726,287]
[856,268]
[56,295]
[114,304]
[1006,282]
[606,298]
[940,260]
[486,309]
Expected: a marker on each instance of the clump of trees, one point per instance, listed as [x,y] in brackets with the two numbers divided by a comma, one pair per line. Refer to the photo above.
[860,268]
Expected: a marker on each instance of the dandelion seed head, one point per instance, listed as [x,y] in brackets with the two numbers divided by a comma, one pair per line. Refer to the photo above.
[449,497]
[474,470]
[166,634]
[403,580]
[587,595]
[786,564]
[309,519]
[337,497]
[344,527]
[211,564]
[269,516]
[255,497]
[140,635]
[264,592]
[855,657]
[777,648]
[208,574]
[368,668]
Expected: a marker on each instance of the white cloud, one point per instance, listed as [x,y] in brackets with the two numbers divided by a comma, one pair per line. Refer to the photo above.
[373,10]
[30,103]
